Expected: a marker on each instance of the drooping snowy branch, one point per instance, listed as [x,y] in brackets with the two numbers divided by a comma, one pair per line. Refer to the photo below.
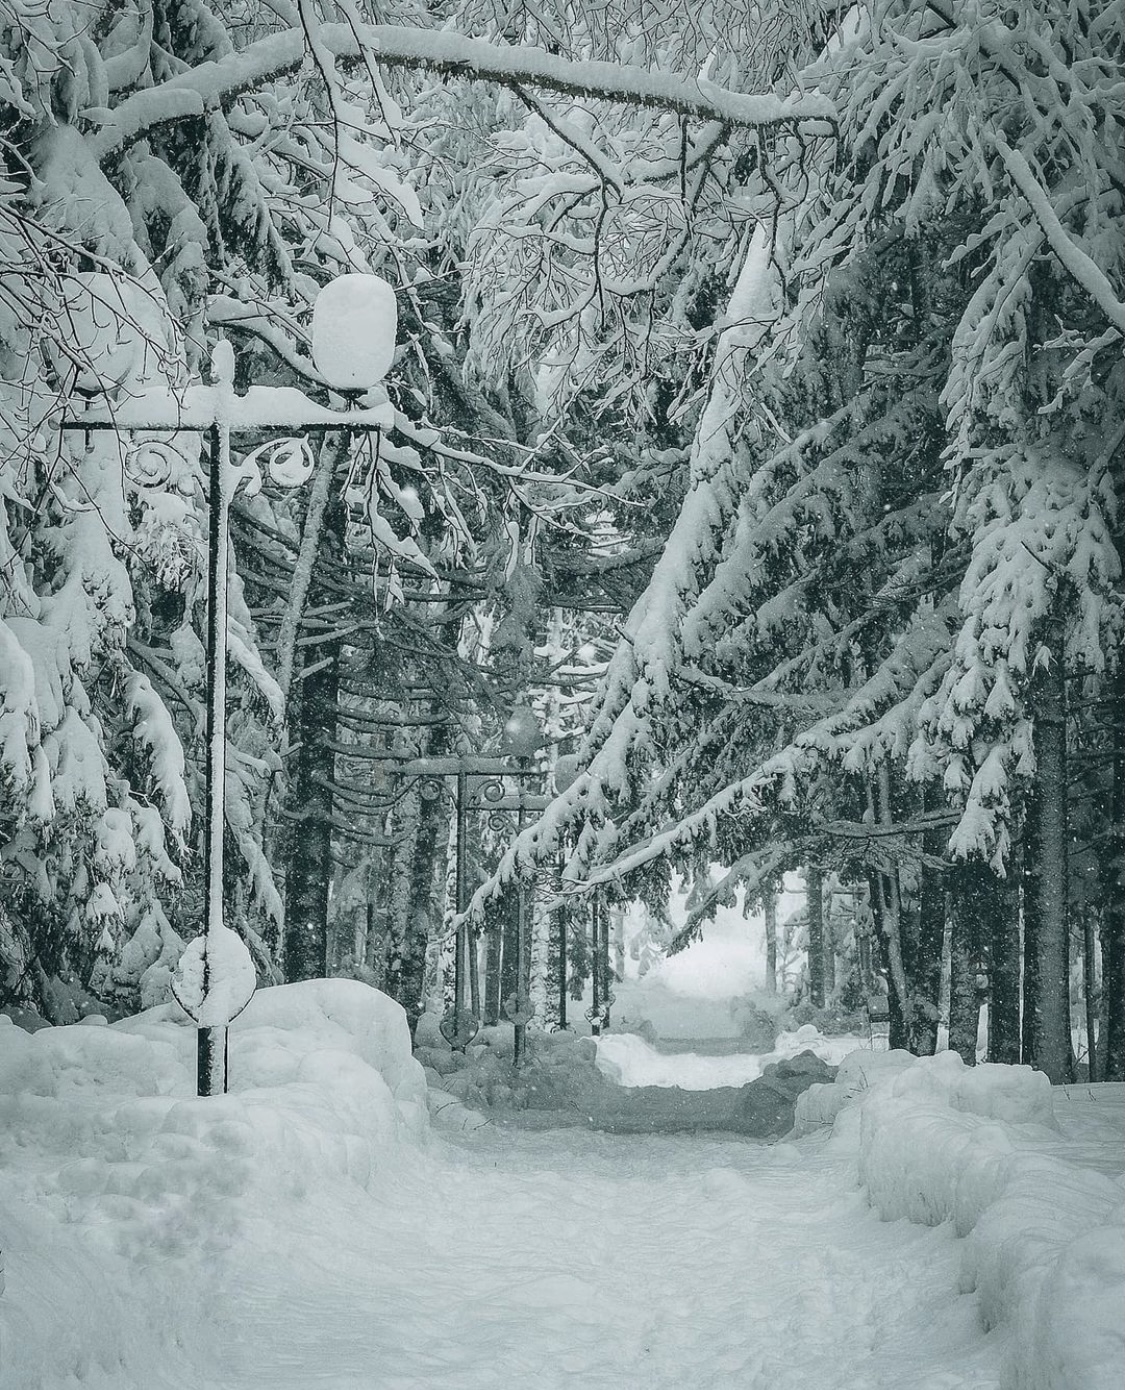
[1077,263]
[212,84]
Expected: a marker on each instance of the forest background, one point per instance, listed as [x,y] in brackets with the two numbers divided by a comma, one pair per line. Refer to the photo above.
[758,421]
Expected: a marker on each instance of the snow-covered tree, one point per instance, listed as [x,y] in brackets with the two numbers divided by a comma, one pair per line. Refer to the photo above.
[923,551]
[795,331]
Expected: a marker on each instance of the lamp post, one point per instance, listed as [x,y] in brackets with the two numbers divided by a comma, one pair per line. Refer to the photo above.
[522,736]
[563,928]
[353,334]
[566,771]
[477,785]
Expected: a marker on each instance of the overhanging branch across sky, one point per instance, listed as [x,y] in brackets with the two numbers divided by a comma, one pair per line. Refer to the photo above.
[194,92]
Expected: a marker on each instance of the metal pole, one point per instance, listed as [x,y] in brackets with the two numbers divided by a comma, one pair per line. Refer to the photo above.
[595,933]
[562,965]
[607,993]
[522,955]
[211,1043]
[461,894]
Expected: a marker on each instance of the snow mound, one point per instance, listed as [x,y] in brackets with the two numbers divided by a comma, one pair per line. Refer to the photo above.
[321,1076]
[1044,1248]
[630,1060]
[447,1112]
[808,1038]
[329,1016]
[1016,1094]
[113,1173]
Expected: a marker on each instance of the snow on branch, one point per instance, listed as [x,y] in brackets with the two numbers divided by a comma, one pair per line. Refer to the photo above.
[223,311]
[1077,263]
[211,84]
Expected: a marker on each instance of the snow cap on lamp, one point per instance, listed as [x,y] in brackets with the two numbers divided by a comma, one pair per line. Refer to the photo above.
[354,322]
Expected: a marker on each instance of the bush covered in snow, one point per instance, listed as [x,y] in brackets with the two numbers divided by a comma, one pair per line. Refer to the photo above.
[832,1020]
[599,1084]
[1044,1249]
[559,1072]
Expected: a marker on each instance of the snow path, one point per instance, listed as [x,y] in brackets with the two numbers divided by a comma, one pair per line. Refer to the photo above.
[307,1232]
[552,1259]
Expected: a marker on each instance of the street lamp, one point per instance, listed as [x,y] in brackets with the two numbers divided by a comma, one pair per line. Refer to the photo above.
[353,335]
[566,772]
[477,786]
[521,738]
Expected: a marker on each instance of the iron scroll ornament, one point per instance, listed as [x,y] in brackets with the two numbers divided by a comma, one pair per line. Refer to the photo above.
[485,797]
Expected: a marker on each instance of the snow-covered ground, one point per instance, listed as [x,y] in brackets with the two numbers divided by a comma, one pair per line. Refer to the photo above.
[312,1230]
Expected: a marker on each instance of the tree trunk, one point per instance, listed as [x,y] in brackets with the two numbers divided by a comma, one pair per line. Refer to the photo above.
[977,903]
[924,971]
[557,955]
[769,909]
[310,865]
[814,897]
[578,954]
[618,922]
[509,941]
[1113,897]
[1004,969]
[865,925]
[1045,882]
[333,452]
[1090,921]
[886,909]
[309,873]
[406,976]
[888,918]
[493,941]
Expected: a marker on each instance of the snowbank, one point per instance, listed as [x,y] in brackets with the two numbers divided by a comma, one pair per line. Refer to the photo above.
[630,1060]
[568,1081]
[1044,1237]
[109,1163]
[323,1065]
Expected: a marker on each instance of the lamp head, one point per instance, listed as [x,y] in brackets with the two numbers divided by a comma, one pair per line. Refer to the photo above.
[354,322]
[522,735]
